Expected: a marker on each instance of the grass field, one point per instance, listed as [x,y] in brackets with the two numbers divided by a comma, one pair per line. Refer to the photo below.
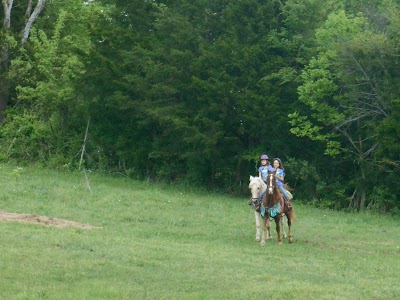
[162,242]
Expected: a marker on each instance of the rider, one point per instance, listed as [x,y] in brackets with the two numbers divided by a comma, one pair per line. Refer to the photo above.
[280,176]
[265,167]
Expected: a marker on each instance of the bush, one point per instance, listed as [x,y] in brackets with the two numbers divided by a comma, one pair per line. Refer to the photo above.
[23,137]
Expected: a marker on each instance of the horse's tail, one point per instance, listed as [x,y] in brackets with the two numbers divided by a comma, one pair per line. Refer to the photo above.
[287,187]
[292,215]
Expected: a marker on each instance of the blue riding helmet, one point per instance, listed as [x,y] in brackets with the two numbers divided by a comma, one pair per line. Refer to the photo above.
[264,156]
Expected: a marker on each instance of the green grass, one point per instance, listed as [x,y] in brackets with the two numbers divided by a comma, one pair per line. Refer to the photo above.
[161,242]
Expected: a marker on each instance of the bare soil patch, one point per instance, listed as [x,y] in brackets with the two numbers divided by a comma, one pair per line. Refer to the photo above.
[42,220]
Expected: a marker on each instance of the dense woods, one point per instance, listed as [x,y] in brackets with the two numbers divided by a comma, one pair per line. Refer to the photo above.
[195,91]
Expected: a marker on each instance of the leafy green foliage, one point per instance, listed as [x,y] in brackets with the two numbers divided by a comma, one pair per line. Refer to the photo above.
[346,89]
[195,91]
[49,73]
[24,138]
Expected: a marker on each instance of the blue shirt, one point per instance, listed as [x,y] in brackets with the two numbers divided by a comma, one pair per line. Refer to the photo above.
[264,171]
[280,173]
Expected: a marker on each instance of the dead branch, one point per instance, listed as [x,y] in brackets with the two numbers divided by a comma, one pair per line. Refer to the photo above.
[84,143]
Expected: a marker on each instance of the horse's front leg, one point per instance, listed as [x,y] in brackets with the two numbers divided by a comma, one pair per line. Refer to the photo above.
[264,229]
[258,226]
[278,228]
[283,227]
[290,227]
[268,224]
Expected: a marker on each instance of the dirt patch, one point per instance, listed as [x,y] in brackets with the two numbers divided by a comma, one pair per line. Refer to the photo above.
[42,220]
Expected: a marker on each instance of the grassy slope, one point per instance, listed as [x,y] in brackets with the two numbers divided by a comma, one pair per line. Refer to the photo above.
[158,243]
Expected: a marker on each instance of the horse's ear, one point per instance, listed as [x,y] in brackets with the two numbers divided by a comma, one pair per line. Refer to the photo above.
[251,177]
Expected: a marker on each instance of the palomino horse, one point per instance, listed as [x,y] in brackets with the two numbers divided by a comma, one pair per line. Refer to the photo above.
[272,200]
[257,188]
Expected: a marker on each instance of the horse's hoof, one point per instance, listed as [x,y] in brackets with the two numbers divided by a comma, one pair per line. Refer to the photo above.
[262,243]
[284,236]
[269,238]
[290,240]
[258,239]
[279,243]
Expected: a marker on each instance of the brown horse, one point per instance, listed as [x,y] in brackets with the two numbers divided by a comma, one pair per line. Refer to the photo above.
[272,202]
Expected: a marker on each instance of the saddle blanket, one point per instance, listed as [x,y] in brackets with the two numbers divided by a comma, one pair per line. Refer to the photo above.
[272,211]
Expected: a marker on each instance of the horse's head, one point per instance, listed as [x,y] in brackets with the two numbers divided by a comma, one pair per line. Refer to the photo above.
[257,187]
[271,181]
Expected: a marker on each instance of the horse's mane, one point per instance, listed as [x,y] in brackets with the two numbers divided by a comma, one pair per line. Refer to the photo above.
[257,180]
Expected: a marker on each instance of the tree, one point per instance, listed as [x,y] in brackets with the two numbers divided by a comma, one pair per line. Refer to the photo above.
[348,89]
[48,103]
[8,33]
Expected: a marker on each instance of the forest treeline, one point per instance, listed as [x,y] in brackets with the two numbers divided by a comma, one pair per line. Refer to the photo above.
[195,91]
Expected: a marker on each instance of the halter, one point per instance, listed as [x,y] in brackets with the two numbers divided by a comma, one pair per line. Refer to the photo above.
[255,202]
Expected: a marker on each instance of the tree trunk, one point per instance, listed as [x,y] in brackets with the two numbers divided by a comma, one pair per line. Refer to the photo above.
[362,200]
[7,7]
[28,11]
[362,164]
[3,103]
[38,9]
[4,59]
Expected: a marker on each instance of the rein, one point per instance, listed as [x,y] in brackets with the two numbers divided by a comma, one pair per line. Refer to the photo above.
[262,195]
